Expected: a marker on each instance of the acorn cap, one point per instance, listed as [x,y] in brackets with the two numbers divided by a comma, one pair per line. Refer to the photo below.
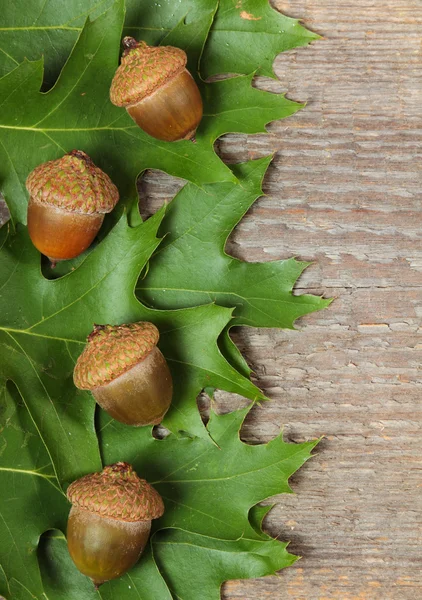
[143,70]
[73,183]
[118,493]
[111,351]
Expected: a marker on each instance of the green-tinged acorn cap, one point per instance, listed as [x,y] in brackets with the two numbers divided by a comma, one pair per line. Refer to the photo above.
[111,351]
[143,70]
[118,493]
[73,183]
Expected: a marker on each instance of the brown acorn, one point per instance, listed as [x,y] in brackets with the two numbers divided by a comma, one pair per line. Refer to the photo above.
[158,92]
[126,373]
[110,521]
[68,199]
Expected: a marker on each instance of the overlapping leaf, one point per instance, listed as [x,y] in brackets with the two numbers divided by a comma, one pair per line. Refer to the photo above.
[49,29]
[247,35]
[77,113]
[196,545]
[205,536]
[208,489]
[194,567]
[43,326]
[191,267]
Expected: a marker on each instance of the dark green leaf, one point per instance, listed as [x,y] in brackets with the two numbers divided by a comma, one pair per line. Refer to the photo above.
[208,491]
[42,333]
[36,28]
[196,566]
[77,113]
[31,500]
[208,488]
[247,35]
[191,267]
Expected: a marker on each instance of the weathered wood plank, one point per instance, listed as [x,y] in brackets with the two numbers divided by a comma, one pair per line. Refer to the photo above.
[344,190]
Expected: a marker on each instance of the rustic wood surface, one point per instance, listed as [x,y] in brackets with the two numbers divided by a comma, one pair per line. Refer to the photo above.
[344,191]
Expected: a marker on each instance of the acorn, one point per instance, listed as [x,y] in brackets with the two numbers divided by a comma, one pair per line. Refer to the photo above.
[158,92]
[126,373]
[68,199]
[110,521]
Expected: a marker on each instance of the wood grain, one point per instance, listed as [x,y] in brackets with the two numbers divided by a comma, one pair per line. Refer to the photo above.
[343,191]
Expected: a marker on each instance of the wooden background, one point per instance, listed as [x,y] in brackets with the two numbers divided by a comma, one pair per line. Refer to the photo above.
[344,191]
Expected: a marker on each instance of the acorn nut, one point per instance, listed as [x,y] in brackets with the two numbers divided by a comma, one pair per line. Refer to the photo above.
[110,521]
[158,92]
[126,373]
[68,199]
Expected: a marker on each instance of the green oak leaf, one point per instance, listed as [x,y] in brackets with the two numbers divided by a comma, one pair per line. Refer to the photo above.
[211,527]
[191,267]
[37,28]
[247,35]
[196,566]
[184,565]
[31,500]
[76,113]
[192,566]
[44,324]
[195,477]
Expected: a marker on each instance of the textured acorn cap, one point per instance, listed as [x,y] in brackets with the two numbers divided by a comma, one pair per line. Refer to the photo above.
[143,70]
[73,183]
[118,493]
[111,351]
